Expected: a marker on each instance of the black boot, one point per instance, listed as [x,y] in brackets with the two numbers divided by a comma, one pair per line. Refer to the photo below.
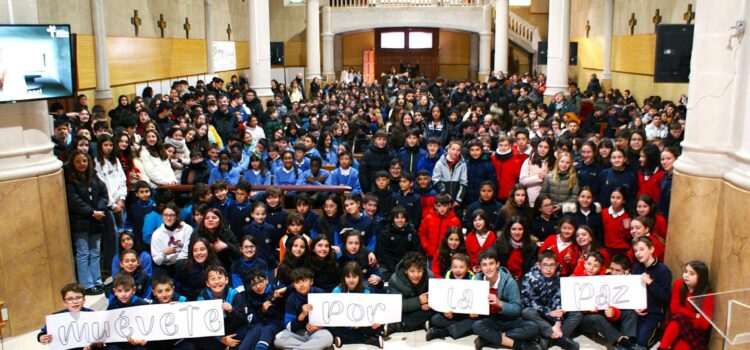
[436,333]
[566,343]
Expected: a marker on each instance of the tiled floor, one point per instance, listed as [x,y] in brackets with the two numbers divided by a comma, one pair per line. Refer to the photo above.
[398,341]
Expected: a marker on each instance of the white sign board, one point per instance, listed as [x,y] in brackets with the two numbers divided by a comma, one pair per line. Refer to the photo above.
[224,56]
[150,322]
[599,292]
[459,296]
[353,309]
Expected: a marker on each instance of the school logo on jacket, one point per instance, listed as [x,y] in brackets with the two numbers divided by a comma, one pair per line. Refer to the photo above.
[247,219]
[268,241]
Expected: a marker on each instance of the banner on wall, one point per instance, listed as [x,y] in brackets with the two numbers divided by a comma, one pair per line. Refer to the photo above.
[195,319]
[353,309]
[224,56]
[587,293]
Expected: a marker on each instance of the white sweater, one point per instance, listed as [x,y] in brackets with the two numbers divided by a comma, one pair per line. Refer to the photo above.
[159,171]
[162,239]
[114,178]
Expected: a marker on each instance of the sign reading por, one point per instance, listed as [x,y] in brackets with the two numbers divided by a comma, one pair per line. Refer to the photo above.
[151,322]
[459,296]
[599,292]
[353,309]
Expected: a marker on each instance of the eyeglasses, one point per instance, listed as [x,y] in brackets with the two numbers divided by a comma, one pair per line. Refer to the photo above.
[248,247]
[549,266]
[169,215]
[73,299]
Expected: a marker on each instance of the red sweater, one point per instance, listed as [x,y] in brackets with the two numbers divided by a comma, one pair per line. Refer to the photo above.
[507,172]
[571,250]
[675,307]
[515,263]
[473,247]
[650,186]
[616,235]
[660,227]
[432,229]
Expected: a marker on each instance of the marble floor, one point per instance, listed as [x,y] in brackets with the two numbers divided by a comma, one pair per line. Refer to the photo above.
[400,341]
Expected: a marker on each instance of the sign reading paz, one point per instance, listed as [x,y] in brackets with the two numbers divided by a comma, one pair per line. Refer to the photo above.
[459,296]
[598,292]
[353,309]
[151,322]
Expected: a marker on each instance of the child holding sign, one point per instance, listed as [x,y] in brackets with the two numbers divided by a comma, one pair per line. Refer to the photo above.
[658,280]
[448,323]
[686,328]
[540,293]
[74,298]
[564,245]
[410,280]
[504,326]
[353,282]
[163,292]
[264,314]
[124,296]
[299,333]
[217,281]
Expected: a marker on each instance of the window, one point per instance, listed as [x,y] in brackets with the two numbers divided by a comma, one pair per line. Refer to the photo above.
[420,40]
[392,40]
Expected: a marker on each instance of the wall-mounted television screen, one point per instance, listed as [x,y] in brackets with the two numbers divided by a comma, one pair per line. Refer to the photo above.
[36,62]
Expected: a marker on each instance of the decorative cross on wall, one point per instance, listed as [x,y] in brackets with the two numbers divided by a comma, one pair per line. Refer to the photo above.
[657,18]
[135,21]
[587,28]
[229,31]
[689,16]
[162,24]
[632,22]
[187,27]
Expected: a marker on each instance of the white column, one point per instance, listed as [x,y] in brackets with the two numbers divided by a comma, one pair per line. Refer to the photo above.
[313,40]
[501,36]
[328,45]
[558,47]
[485,44]
[473,53]
[260,47]
[209,12]
[609,15]
[719,72]
[338,53]
[103,92]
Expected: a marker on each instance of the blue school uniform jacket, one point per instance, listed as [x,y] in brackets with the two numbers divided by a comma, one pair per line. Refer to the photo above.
[492,208]
[478,171]
[232,320]
[660,290]
[282,177]
[43,331]
[223,206]
[242,266]
[254,303]
[587,174]
[412,203]
[410,157]
[302,179]
[115,303]
[151,222]
[265,236]
[294,304]
[175,298]
[609,179]
[257,179]
[239,216]
[137,213]
[364,225]
[428,163]
[277,218]
[231,177]
[330,157]
[312,223]
[351,180]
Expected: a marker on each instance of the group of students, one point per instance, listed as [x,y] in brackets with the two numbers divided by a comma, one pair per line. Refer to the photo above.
[463,194]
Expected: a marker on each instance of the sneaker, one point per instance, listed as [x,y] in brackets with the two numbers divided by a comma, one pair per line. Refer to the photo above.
[566,343]
[530,345]
[427,325]
[337,342]
[479,343]
[96,290]
[623,344]
[392,328]
[375,340]
[435,333]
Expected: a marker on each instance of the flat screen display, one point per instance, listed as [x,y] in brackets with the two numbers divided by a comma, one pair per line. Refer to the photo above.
[36,62]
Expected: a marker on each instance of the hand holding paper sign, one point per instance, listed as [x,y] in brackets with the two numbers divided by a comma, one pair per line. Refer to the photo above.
[459,296]
[602,292]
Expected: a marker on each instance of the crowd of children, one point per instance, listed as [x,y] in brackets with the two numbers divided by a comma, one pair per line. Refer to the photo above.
[456,180]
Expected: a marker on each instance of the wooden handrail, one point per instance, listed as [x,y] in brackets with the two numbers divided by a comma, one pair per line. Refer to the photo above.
[283,188]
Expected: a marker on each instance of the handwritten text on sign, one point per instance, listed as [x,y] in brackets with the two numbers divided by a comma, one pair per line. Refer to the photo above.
[150,322]
[598,292]
[354,309]
[459,296]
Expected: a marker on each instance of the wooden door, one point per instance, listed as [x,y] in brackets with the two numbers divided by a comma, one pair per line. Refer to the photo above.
[368,65]
[424,55]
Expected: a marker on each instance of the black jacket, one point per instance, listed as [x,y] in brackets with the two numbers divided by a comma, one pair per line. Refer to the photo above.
[225,124]
[394,243]
[83,200]
[374,159]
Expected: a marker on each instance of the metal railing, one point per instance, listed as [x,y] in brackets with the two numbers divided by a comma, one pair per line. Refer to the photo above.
[402,3]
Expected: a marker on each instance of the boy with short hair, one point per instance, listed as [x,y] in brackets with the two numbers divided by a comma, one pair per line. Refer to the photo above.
[410,279]
[299,333]
[312,219]
[479,169]
[377,157]
[221,199]
[345,174]
[411,153]
[163,293]
[487,202]
[153,220]
[381,190]
[540,293]
[407,199]
[61,137]
[433,226]
[295,224]
[217,281]
[504,326]
[425,191]
[314,176]
[434,152]
[73,297]
[264,315]
[239,210]
[300,157]
[275,214]
[123,289]
[141,207]
[201,193]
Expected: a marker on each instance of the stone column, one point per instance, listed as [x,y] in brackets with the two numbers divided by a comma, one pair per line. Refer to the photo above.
[473,55]
[35,239]
[338,53]
[312,70]
[209,12]
[609,14]
[485,43]
[328,46]
[558,47]
[260,48]
[103,94]
[501,36]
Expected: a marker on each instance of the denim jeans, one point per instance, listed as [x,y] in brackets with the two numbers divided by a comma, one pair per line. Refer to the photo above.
[87,258]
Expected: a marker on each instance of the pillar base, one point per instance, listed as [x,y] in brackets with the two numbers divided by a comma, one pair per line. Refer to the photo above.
[482,77]
[43,260]
[328,78]
[606,84]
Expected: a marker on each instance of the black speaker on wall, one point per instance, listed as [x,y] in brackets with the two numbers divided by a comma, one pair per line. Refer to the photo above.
[541,52]
[277,53]
[674,46]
